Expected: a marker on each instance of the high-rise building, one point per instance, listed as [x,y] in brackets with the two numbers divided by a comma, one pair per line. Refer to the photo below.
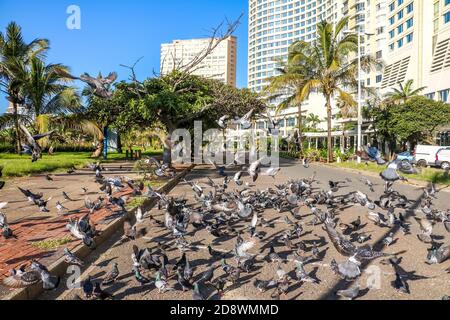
[275,24]
[419,46]
[20,109]
[369,18]
[220,64]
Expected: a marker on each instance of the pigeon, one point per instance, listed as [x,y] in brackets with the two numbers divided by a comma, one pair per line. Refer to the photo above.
[348,270]
[438,256]
[111,276]
[197,294]
[273,256]
[305,163]
[88,287]
[71,259]
[349,294]
[245,121]
[184,283]
[262,285]
[208,275]
[271,172]
[370,185]
[389,239]
[49,282]
[140,278]
[32,147]
[222,121]
[255,169]
[99,85]
[162,284]
[21,278]
[237,178]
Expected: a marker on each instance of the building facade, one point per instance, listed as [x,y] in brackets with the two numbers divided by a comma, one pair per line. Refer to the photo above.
[419,46]
[220,64]
[273,26]
[369,18]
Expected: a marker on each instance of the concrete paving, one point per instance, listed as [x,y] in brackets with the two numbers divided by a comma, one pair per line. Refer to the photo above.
[435,285]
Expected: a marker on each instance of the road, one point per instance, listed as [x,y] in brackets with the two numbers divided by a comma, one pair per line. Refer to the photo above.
[436,282]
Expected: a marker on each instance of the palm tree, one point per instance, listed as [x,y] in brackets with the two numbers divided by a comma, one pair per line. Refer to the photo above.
[403,93]
[15,55]
[287,86]
[313,120]
[323,66]
[46,93]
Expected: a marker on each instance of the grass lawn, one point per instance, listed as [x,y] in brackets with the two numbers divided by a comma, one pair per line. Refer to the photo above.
[19,166]
[427,174]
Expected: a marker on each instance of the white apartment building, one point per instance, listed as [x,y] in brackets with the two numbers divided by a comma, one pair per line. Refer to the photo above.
[220,64]
[419,46]
[369,18]
[273,26]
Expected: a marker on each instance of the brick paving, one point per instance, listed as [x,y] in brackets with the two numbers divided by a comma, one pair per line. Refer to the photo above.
[19,250]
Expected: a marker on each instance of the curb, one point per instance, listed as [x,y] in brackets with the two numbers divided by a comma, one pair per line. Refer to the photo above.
[410,182]
[59,267]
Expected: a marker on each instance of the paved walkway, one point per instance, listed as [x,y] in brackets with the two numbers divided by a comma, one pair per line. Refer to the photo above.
[409,247]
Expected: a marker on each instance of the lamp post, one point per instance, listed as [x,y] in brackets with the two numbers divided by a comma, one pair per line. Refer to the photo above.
[360,120]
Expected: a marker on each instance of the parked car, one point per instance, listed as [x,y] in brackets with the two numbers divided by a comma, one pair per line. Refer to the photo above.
[426,155]
[406,156]
[443,158]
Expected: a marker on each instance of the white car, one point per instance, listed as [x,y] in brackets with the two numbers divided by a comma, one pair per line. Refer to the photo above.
[443,158]
[426,155]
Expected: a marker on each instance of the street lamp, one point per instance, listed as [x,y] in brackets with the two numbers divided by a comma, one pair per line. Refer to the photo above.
[360,120]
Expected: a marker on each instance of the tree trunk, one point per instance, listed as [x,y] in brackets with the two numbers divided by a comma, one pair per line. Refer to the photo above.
[17,129]
[300,127]
[98,152]
[167,155]
[119,144]
[330,144]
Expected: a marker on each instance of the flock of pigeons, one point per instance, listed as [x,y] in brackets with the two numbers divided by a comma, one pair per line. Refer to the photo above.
[81,228]
[231,210]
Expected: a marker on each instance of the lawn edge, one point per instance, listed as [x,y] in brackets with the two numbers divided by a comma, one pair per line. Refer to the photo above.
[59,267]
[410,182]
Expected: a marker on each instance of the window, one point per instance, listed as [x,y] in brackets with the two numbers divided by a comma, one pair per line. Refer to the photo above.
[281,123]
[391,34]
[400,43]
[400,29]
[430,95]
[400,15]
[392,20]
[443,95]
[410,7]
[291,122]
[400,2]
[379,78]
[447,2]
[409,38]
[409,23]
[391,47]
[392,6]
[447,17]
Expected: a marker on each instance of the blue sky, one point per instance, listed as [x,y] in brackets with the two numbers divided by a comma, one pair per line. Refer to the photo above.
[120,32]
